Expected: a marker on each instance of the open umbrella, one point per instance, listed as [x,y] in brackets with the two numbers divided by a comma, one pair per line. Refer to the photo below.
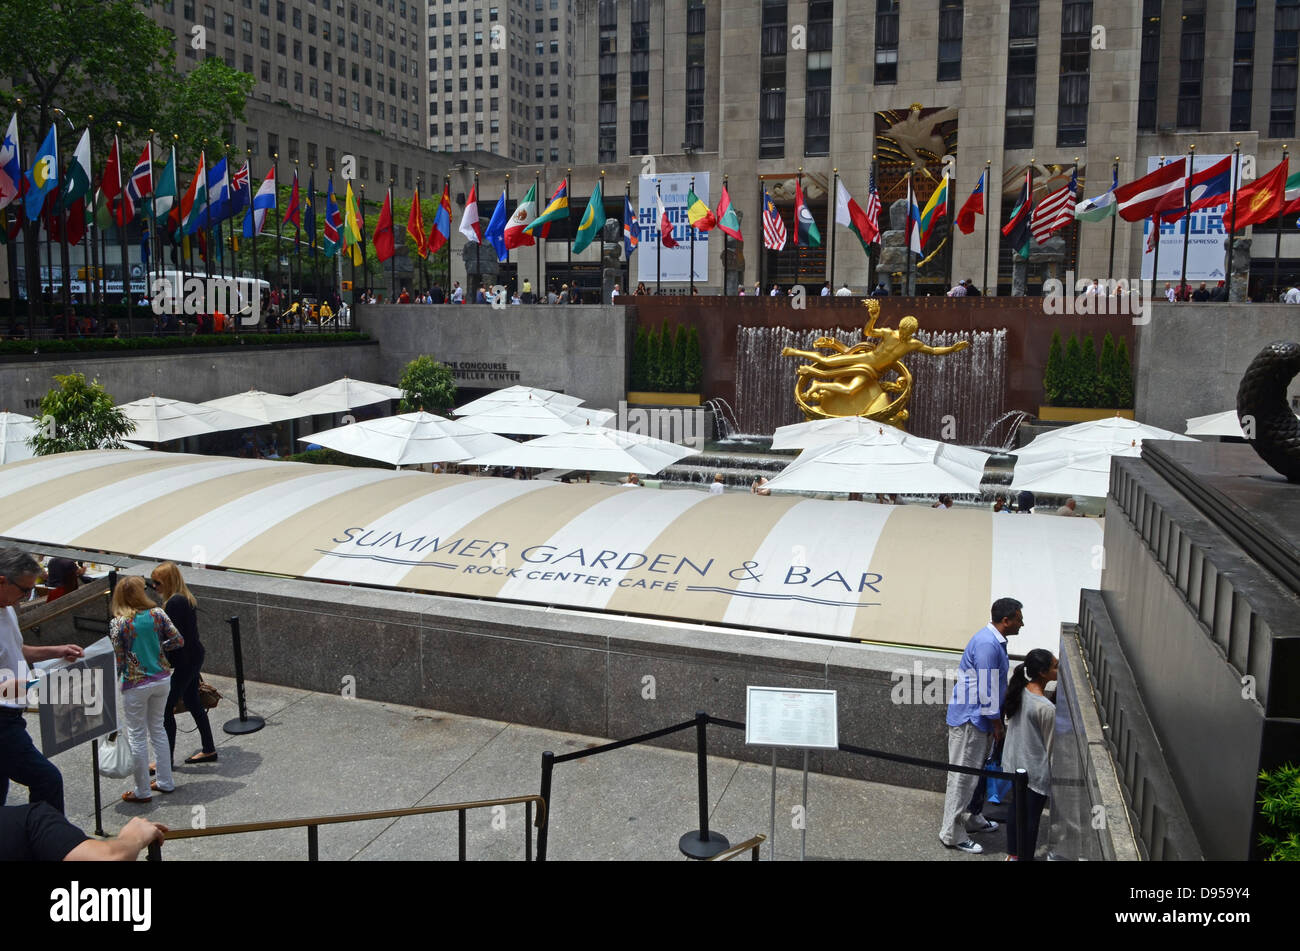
[589,447]
[514,395]
[15,430]
[532,418]
[888,460]
[266,408]
[161,420]
[823,432]
[1114,433]
[1075,460]
[346,393]
[410,439]
[1216,424]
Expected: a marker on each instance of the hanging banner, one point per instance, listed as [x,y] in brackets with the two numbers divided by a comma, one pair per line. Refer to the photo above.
[675,262]
[1207,242]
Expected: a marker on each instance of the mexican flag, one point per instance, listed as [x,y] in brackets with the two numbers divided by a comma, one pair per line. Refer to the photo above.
[516,233]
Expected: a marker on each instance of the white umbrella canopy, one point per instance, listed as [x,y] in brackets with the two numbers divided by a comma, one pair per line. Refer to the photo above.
[1111,434]
[346,393]
[823,432]
[885,461]
[1217,424]
[161,420]
[15,430]
[410,439]
[594,448]
[513,395]
[532,418]
[266,408]
[1084,473]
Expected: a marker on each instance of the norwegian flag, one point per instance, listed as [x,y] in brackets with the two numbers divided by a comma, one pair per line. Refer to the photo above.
[140,185]
[774,235]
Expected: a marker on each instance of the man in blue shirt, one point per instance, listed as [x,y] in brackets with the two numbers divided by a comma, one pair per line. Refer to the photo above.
[975,721]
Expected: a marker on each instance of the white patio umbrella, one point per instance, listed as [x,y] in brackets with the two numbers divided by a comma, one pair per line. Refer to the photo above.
[516,394]
[1075,460]
[885,461]
[15,430]
[1115,433]
[410,439]
[161,420]
[589,447]
[532,418]
[823,432]
[266,408]
[1216,424]
[346,393]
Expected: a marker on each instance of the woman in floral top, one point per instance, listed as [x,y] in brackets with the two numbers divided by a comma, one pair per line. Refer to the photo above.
[142,633]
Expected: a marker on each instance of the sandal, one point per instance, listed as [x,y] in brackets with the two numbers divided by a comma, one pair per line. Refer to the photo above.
[130,796]
[203,758]
[156,788]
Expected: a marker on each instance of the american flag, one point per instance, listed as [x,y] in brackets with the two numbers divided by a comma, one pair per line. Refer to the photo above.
[1055,211]
[773,227]
[873,209]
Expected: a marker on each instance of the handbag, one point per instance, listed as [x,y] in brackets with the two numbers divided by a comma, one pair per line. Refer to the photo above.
[115,759]
[209,696]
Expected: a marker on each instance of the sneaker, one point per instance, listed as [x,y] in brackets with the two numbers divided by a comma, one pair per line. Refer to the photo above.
[973,848]
[978,823]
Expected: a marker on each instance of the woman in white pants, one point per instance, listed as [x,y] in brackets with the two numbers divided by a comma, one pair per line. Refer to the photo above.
[142,634]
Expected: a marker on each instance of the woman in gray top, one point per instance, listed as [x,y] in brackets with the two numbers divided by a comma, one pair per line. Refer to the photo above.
[1031,724]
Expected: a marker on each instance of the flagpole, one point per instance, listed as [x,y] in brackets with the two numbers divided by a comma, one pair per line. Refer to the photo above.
[568,191]
[952,250]
[424,277]
[908,284]
[64,261]
[988,207]
[539,291]
[627,200]
[762,210]
[230,219]
[126,265]
[279,278]
[1232,214]
[799,179]
[872,274]
[1074,222]
[1277,245]
[179,237]
[688,217]
[1187,217]
[659,244]
[392,297]
[315,232]
[252,215]
[365,261]
[507,191]
[1114,177]
[297,245]
[478,248]
[835,191]
[1155,225]
[156,265]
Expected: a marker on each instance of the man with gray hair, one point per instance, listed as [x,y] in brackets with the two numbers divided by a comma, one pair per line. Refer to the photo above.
[20,761]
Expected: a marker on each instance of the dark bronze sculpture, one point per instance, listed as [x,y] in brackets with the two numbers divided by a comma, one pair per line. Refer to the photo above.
[1266,419]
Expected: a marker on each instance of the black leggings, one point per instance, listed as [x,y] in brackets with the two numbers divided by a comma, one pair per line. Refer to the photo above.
[185,686]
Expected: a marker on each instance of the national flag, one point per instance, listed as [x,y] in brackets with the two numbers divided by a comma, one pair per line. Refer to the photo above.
[240,190]
[728,220]
[140,185]
[195,199]
[631,228]
[43,177]
[76,229]
[165,192]
[309,210]
[972,206]
[774,235]
[665,226]
[1055,211]
[291,212]
[415,225]
[1016,231]
[383,239]
[352,227]
[556,208]
[441,233]
[263,201]
[1212,186]
[11,169]
[77,185]
[496,229]
[333,222]
[118,208]
[850,214]
[936,210]
[1140,199]
[593,219]
[698,213]
[218,193]
[806,233]
[1261,200]
[1101,207]
[517,234]
[913,219]
[470,226]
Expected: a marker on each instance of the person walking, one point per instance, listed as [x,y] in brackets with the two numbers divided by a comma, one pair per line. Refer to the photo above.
[142,634]
[1031,724]
[187,661]
[975,722]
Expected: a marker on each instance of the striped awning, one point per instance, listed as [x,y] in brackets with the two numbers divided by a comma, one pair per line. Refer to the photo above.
[894,574]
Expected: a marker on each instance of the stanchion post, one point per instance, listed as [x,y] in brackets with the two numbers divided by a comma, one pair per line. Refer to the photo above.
[244,723]
[548,767]
[460,835]
[1021,785]
[94,765]
[155,851]
[701,843]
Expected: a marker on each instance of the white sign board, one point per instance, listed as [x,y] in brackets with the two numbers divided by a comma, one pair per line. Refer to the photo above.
[777,716]
[1207,242]
[671,264]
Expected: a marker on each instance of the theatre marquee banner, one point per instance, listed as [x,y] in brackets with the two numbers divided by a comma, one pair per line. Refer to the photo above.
[676,262]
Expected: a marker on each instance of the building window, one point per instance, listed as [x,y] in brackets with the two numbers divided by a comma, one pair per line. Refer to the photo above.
[1286,31]
[1243,66]
[886,42]
[771,95]
[1191,64]
[1022,64]
[951,16]
[817,116]
[264,37]
[639,127]
[250,137]
[1076,37]
[607,69]
[1149,74]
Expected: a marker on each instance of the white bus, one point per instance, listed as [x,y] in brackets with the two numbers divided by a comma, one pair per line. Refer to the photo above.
[174,292]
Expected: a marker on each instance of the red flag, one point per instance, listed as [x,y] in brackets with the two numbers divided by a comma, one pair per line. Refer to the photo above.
[383,236]
[415,226]
[291,213]
[119,207]
[1261,200]
[974,205]
[1140,199]
[76,229]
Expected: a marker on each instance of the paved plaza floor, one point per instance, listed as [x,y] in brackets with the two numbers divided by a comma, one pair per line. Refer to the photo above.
[321,754]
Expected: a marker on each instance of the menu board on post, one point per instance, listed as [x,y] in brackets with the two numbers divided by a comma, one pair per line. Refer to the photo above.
[803,719]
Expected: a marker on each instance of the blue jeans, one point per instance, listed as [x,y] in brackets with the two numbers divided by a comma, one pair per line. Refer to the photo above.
[23,763]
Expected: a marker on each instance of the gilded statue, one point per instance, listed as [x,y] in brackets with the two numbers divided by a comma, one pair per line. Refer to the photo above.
[852,381]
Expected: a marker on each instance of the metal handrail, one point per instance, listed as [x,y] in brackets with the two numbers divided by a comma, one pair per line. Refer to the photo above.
[36,615]
[314,822]
[739,849]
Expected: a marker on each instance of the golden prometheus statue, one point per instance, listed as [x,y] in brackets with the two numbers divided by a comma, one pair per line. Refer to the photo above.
[850,381]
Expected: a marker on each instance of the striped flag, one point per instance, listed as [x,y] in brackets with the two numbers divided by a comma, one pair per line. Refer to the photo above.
[1055,211]
[1142,198]
[774,235]
[140,185]
[873,209]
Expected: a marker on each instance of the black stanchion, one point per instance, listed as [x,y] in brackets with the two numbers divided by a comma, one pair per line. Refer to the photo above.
[1021,786]
[701,843]
[548,767]
[245,723]
[99,804]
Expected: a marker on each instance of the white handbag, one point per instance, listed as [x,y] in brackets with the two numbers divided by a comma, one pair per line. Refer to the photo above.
[115,758]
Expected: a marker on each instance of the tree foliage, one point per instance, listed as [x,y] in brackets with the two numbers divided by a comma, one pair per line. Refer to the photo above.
[427,385]
[77,415]
[199,107]
[1106,375]
[1279,804]
[1123,377]
[693,367]
[1054,372]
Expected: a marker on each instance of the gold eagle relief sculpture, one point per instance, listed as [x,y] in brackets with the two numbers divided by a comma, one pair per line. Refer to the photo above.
[867,379]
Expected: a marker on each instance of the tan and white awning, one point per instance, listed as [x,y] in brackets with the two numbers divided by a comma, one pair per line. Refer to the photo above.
[894,574]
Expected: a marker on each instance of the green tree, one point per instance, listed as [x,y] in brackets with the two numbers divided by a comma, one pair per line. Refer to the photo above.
[662,371]
[198,107]
[1107,389]
[1071,388]
[637,372]
[693,370]
[1279,807]
[1089,382]
[77,415]
[1123,377]
[427,385]
[679,360]
[1054,372]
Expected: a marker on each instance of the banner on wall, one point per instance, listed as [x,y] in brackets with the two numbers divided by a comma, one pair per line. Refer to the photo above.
[675,262]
